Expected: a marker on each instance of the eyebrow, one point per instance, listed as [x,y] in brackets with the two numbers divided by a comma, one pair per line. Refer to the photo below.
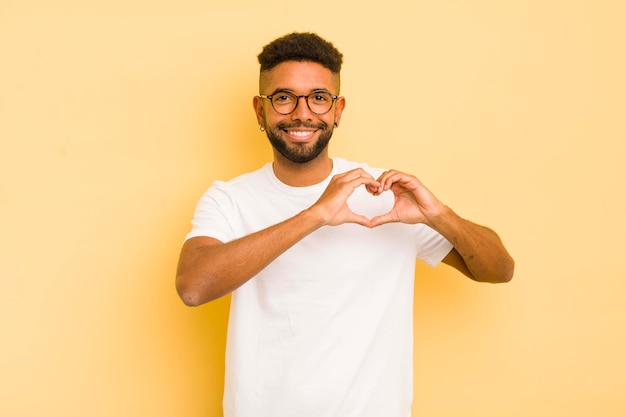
[289,90]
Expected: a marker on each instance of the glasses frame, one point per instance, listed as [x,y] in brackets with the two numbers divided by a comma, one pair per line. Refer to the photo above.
[298,97]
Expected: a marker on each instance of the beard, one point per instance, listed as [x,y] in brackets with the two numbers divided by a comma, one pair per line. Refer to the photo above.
[299,153]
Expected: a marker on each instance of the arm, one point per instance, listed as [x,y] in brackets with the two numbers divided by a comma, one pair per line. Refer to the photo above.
[478,251]
[209,269]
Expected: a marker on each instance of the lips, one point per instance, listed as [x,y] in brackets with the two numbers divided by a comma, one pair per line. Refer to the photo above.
[301,131]
[301,134]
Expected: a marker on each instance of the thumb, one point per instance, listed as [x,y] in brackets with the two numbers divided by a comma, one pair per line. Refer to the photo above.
[359,219]
[383,219]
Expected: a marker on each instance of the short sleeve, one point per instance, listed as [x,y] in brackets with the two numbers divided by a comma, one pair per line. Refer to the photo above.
[432,247]
[211,217]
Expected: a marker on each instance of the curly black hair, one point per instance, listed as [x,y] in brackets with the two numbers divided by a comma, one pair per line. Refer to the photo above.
[301,47]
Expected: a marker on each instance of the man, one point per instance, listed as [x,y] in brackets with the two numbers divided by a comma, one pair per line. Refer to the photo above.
[320,255]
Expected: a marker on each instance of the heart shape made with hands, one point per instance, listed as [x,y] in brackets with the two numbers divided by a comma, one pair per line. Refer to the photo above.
[363,203]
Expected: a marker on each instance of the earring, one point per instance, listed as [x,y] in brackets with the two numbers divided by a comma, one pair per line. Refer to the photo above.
[262,128]
[336,124]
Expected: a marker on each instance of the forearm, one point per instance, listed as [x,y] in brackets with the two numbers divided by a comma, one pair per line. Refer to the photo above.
[482,250]
[209,271]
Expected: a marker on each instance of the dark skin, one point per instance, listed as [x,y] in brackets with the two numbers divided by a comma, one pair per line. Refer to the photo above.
[209,269]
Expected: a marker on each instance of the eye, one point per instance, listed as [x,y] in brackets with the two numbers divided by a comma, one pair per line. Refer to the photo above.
[282,98]
[320,98]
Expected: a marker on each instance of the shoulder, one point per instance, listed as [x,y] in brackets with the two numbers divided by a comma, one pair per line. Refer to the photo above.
[245,180]
[343,165]
[225,193]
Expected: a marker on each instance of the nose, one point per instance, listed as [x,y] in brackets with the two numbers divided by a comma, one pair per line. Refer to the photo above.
[302,111]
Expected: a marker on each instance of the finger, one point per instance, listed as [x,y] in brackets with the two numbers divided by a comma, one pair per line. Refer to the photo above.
[383,219]
[374,188]
[389,178]
[354,173]
[369,182]
[359,219]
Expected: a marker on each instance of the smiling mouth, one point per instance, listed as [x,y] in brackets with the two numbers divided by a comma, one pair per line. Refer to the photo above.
[300,134]
[301,131]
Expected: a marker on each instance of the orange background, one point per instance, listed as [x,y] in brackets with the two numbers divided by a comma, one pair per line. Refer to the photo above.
[116,116]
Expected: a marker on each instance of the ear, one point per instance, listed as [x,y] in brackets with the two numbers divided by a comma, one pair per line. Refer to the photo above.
[257,103]
[340,104]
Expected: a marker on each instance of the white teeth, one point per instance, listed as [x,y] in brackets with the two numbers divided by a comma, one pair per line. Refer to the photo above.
[299,133]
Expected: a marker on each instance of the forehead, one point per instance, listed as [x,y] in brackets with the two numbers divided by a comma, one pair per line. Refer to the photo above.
[301,77]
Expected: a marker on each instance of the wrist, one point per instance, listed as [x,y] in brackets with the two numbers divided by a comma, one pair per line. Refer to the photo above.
[312,218]
[440,217]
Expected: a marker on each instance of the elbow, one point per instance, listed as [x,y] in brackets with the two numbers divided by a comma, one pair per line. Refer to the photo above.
[195,292]
[505,272]
[508,277]
[500,274]
[190,300]
[509,270]
[188,293]
[502,279]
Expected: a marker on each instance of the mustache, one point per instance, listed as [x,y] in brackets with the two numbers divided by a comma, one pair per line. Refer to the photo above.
[287,126]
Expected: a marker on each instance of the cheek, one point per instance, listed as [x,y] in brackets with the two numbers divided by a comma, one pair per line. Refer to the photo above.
[273,121]
[333,120]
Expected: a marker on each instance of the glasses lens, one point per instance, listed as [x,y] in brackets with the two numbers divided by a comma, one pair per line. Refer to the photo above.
[320,102]
[284,102]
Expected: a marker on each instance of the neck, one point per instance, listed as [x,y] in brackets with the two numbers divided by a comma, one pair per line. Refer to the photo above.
[302,174]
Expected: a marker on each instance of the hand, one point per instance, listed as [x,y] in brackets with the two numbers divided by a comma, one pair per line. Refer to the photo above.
[414,203]
[332,205]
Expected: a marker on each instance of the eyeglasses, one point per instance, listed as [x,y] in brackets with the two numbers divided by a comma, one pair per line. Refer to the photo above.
[285,102]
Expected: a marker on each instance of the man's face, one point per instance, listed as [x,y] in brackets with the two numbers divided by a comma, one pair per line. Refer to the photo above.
[302,135]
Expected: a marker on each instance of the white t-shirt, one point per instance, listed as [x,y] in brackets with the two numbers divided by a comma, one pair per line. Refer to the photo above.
[327,328]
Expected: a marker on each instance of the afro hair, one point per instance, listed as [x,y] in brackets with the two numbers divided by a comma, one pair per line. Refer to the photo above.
[301,47]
